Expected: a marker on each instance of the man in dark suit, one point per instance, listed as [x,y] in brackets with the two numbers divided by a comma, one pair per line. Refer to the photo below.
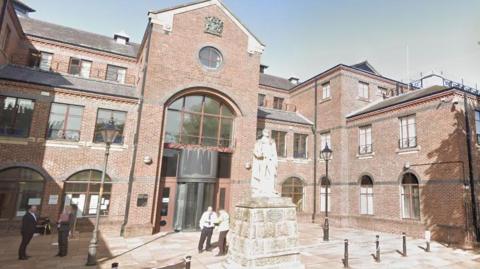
[29,227]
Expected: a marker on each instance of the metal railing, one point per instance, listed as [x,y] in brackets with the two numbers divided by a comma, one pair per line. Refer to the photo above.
[365,149]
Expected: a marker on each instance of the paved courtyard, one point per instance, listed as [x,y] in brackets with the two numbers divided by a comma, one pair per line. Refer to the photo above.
[164,249]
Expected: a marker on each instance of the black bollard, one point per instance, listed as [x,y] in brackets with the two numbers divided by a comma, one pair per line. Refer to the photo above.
[377,247]
[188,260]
[115,265]
[404,239]
[427,240]
[345,254]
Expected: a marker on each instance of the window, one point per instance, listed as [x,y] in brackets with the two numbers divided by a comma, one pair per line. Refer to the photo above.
[82,189]
[6,38]
[324,185]
[210,57]
[169,163]
[103,117]
[19,188]
[365,140]
[366,195]
[477,125]
[326,90]
[65,122]
[261,100]
[408,134]
[279,138]
[300,146]
[41,60]
[363,90]
[325,139]
[410,197]
[116,73]
[80,67]
[381,91]
[15,116]
[199,120]
[224,165]
[293,187]
[278,102]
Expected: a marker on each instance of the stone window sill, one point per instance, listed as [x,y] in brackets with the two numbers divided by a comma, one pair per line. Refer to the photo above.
[301,161]
[101,146]
[408,150]
[16,140]
[365,156]
[363,99]
[64,144]
[325,100]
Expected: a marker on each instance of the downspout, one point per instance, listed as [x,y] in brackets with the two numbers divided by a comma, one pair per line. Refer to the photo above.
[137,129]
[470,169]
[314,129]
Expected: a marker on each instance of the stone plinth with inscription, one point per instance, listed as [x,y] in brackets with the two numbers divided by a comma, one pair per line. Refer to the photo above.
[264,235]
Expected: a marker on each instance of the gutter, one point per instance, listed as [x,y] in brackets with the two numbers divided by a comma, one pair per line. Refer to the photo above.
[135,139]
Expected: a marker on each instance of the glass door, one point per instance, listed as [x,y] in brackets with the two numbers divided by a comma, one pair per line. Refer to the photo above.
[192,200]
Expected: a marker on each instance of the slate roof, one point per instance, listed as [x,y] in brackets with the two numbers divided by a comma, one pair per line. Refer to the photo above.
[392,101]
[365,66]
[77,37]
[281,115]
[29,75]
[275,82]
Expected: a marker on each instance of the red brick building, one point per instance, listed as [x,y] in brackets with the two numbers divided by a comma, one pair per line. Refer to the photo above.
[190,100]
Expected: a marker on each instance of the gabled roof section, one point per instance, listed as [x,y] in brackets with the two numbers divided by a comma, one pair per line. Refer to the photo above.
[275,82]
[165,16]
[400,99]
[63,34]
[56,80]
[22,5]
[282,115]
[365,66]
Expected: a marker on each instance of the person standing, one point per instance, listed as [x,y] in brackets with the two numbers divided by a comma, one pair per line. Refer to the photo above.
[64,224]
[29,228]
[223,227]
[207,224]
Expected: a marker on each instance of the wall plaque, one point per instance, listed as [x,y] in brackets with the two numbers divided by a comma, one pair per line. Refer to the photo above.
[213,25]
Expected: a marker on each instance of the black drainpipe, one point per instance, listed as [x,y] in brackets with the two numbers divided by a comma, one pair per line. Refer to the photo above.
[137,129]
[470,169]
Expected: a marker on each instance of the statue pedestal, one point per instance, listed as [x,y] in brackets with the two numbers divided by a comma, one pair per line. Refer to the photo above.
[264,235]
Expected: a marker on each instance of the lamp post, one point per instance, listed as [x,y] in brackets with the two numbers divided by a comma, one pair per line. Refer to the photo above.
[326,155]
[109,132]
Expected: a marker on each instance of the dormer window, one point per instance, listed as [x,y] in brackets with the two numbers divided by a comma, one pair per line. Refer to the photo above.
[121,38]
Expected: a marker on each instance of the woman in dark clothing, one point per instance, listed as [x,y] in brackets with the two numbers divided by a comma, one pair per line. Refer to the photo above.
[64,224]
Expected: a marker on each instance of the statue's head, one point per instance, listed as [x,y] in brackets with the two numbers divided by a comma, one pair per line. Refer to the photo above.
[266,133]
[209,209]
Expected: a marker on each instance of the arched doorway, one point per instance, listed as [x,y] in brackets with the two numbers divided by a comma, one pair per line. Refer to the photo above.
[197,147]
[293,187]
[19,188]
[82,189]
[410,196]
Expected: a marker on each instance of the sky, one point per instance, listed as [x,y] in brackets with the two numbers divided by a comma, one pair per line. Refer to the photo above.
[306,37]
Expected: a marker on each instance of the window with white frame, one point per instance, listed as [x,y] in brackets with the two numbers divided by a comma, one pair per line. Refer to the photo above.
[410,194]
[363,90]
[381,91]
[325,139]
[326,90]
[279,138]
[366,195]
[365,140]
[408,132]
[324,185]
[477,125]
[300,146]
[45,60]
[80,67]
[116,73]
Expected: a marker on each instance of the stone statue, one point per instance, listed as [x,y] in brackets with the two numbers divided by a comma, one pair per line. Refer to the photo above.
[264,170]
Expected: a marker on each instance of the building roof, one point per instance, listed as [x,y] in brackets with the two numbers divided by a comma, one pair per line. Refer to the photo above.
[400,99]
[42,29]
[22,5]
[282,115]
[365,66]
[51,79]
[275,82]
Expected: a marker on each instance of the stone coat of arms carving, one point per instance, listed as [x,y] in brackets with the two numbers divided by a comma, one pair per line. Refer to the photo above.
[213,25]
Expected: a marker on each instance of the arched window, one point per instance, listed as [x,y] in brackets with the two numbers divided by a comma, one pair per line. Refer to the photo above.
[366,195]
[293,188]
[199,120]
[19,188]
[82,189]
[324,185]
[410,197]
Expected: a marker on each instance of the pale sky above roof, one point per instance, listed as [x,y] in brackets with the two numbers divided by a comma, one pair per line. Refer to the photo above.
[306,37]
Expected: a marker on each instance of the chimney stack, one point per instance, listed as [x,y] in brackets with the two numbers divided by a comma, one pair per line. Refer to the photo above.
[294,80]
[262,68]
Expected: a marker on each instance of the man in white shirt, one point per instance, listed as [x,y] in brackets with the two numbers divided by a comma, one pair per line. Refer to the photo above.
[223,222]
[207,224]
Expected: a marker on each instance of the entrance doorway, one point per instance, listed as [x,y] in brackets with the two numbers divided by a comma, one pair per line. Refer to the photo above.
[193,198]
